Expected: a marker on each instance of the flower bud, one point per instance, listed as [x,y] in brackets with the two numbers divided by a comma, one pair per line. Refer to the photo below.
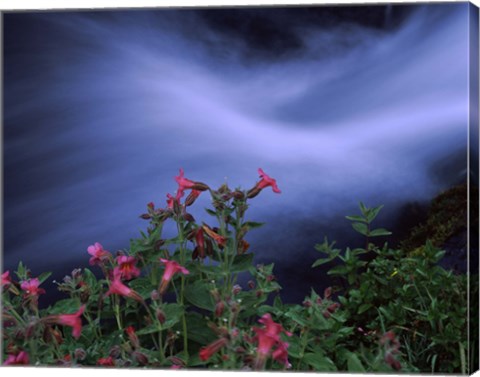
[219,307]
[199,186]
[327,293]
[332,307]
[154,295]
[140,358]
[239,195]
[259,293]
[161,316]
[77,273]
[307,303]
[80,354]
[115,352]
[326,314]
[251,284]
[253,192]
[188,217]
[236,289]
[145,216]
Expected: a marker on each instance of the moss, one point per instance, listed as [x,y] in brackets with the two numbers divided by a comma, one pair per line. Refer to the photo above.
[447,217]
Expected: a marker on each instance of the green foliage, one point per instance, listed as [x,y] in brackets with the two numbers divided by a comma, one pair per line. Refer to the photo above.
[178,304]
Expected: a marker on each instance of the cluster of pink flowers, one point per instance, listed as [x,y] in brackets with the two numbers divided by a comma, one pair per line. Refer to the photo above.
[270,343]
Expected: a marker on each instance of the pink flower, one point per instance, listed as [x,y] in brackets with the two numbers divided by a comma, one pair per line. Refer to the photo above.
[171,268]
[127,268]
[99,255]
[31,289]
[199,250]
[6,279]
[172,199]
[268,337]
[273,328]
[194,194]
[20,359]
[281,354]
[118,288]
[207,351]
[184,183]
[72,320]
[267,181]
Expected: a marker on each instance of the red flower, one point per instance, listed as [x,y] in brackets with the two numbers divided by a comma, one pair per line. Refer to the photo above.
[184,183]
[72,320]
[99,255]
[172,199]
[132,335]
[127,268]
[118,288]
[207,351]
[200,241]
[31,289]
[268,338]
[273,328]
[194,194]
[266,181]
[20,359]
[106,361]
[6,279]
[171,268]
[281,354]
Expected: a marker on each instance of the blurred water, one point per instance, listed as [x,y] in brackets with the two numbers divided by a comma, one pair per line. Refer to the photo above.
[102,109]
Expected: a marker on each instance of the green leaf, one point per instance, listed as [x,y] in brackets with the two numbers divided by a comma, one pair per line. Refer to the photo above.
[242,262]
[198,331]
[66,306]
[360,228]
[354,364]
[379,232]
[252,224]
[198,294]
[319,362]
[210,212]
[363,308]
[338,270]
[356,218]
[44,276]
[373,212]
[364,209]
[321,261]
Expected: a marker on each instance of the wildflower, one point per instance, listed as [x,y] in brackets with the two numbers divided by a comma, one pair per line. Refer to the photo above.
[132,335]
[99,255]
[106,361]
[265,181]
[220,240]
[72,320]
[127,268]
[207,351]
[20,359]
[268,337]
[199,250]
[171,268]
[185,184]
[31,289]
[171,200]
[281,354]
[6,279]
[118,288]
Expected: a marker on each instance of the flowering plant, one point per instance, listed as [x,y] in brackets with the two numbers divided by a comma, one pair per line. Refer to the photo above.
[177,303]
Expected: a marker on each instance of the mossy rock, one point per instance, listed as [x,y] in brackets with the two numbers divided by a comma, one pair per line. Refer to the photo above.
[446,218]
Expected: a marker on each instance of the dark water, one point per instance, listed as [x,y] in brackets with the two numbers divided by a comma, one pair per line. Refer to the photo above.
[101,109]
